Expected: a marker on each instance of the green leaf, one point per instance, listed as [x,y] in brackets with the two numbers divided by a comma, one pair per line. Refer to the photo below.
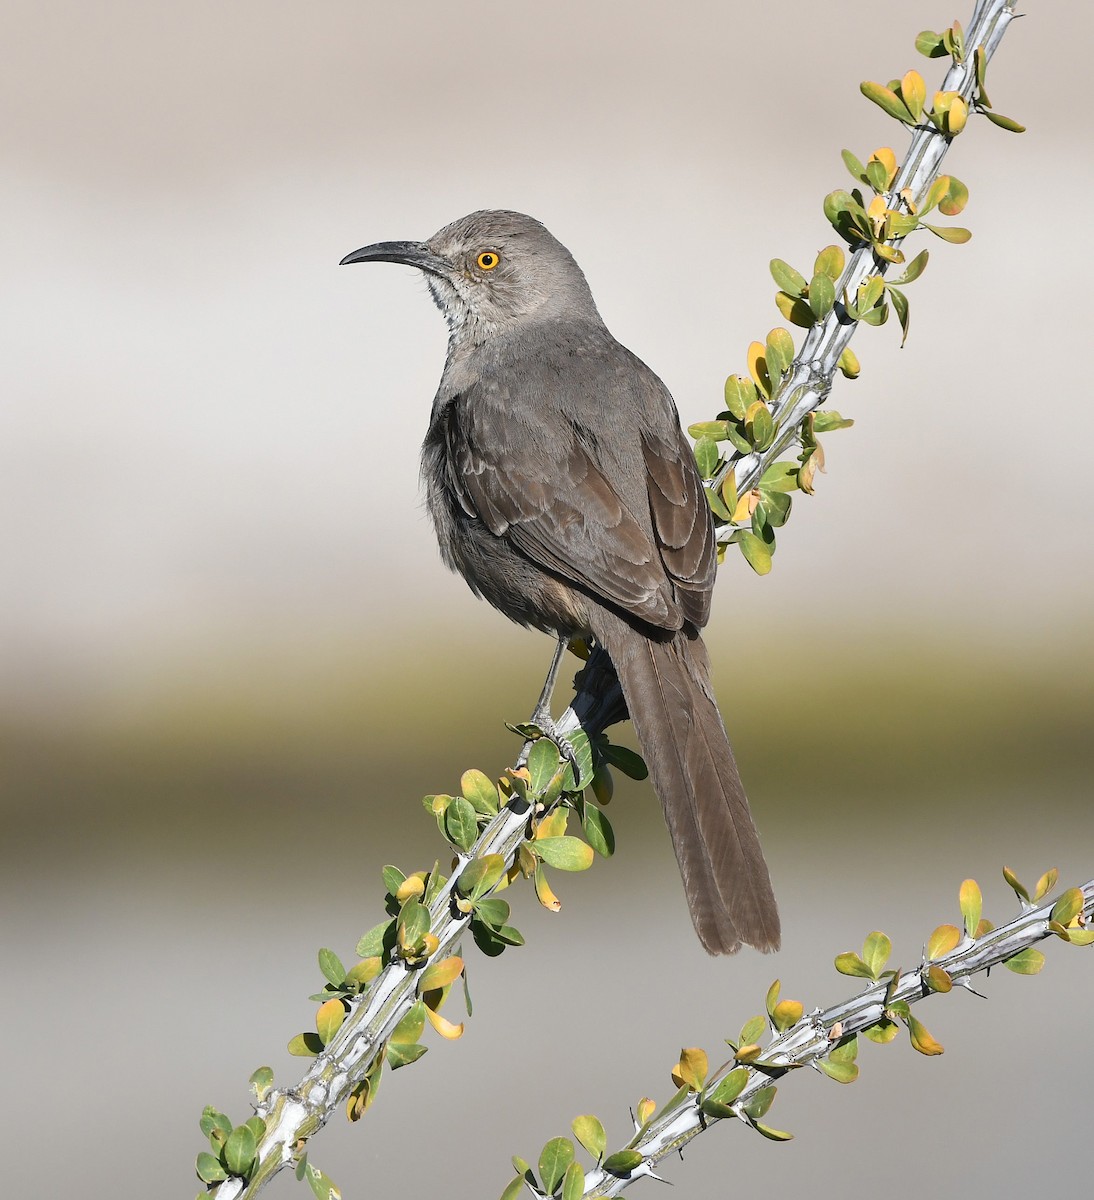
[849,963]
[706,456]
[915,268]
[215,1125]
[931,44]
[480,792]
[543,763]
[875,952]
[626,760]
[717,431]
[1025,962]
[756,552]
[210,1169]
[739,394]
[728,1089]
[877,176]
[762,428]
[787,278]
[772,1135]
[952,233]
[393,878]
[565,853]
[460,823]
[514,1189]
[598,831]
[795,310]
[822,295]
[261,1082]
[402,1054]
[882,1032]
[1068,906]
[590,1133]
[480,875]
[380,938]
[322,1188]
[826,420]
[841,1072]
[622,1162]
[1007,123]
[494,911]
[411,1027]
[305,1045]
[331,966]
[1018,887]
[887,100]
[830,261]
[779,477]
[573,1182]
[239,1151]
[900,307]
[752,1031]
[776,506]
[780,353]
[414,920]
[555,1157]
[858,171]
[760,1102]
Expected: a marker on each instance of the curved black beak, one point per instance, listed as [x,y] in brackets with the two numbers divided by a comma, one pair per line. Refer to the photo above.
[412,254]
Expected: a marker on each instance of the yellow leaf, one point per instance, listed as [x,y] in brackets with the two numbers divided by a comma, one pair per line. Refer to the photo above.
[744,508]
[887,158]
[645,1109]
[329,1018]
[972,904]
[787,1013]
[1045,884]
[553,825]
[921,1039]
[440,974]
[412,886]
[757,367]
[543,891]
[691,1070]
[958,116]
[445,1028]
[943,940]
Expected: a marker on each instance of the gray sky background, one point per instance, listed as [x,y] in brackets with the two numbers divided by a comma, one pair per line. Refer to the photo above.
[209,431]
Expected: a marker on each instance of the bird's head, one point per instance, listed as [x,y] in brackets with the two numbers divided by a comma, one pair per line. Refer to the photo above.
[492,271]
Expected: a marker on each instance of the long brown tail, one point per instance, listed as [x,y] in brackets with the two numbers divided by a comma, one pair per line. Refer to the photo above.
[672,706]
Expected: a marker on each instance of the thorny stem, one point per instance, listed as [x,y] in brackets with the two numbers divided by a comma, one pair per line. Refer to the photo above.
[811,1039]
[809,380]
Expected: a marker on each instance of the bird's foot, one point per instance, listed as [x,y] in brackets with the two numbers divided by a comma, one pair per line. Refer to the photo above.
[550,728]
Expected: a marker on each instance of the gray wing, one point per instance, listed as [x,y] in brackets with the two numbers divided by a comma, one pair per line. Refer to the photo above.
[615,507]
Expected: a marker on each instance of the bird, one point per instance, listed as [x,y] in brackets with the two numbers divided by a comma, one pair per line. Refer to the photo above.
[561,487]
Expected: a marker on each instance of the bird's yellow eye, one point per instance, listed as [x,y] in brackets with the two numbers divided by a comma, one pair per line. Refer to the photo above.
[488,260]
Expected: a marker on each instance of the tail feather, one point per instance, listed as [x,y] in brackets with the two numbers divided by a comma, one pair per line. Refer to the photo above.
[667,688]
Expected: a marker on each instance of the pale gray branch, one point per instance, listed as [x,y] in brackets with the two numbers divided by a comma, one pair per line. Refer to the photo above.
[817,1033]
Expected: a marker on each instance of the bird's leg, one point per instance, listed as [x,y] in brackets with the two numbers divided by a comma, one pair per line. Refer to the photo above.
[541,716]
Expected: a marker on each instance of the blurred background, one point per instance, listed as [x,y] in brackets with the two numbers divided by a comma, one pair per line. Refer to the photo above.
[232,661]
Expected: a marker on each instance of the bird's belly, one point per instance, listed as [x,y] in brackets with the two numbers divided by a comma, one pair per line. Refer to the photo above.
[495,570]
